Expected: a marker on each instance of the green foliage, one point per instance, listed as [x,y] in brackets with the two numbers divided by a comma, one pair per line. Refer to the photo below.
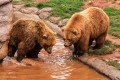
[109,48]
[63,8]
[114,63]
[114,15]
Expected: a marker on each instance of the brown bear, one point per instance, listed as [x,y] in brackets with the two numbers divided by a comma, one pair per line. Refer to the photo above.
[84,27]
[28,37]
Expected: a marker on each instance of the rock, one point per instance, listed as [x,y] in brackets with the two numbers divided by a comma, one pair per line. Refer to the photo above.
[44,10]
[18,7]
[62,22]
[3,50]
[54,20]
[6,11]
[101,66]
[3,2]
[54,27]
[29,10]
[44,15]
[18,15]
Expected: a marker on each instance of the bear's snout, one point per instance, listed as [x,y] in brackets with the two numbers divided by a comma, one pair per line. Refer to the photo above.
[67,43]
[48,49]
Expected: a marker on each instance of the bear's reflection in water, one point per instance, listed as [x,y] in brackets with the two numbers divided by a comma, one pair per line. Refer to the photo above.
[57,66]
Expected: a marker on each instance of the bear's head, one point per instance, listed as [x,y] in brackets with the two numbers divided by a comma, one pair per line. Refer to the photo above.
[70,36]
[71,31]
[46,37]
[48,41]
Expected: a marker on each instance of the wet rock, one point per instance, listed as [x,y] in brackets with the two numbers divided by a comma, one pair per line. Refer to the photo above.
[18,15]
[5,25]
[44,15]
[54,20]
[44,10]
[62,22]
[54,27]
[29,10]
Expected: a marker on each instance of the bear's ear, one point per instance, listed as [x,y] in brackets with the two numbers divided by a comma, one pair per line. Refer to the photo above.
[45,36]
[75,32]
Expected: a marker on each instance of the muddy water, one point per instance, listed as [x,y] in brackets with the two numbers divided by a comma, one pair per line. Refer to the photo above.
[58,66]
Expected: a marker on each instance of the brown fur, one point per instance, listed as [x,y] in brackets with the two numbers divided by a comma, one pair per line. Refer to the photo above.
[84,27]
[28,37]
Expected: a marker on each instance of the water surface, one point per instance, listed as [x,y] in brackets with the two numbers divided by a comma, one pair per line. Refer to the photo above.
[58,66]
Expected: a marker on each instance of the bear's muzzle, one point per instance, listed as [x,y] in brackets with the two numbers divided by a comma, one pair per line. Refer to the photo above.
[48,49]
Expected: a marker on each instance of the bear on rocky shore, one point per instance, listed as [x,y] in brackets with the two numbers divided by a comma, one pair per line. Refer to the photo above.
[84,27]
[28,37]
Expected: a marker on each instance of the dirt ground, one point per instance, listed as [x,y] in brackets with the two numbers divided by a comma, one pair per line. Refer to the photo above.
[102,3]
[115,56]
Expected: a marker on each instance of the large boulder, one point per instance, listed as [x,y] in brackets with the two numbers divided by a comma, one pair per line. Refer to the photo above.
[54,20]
[54,27]
[62,22]
[48,9]
[6,11]
[18,7]
[29,10]
[44,13]
[18,15]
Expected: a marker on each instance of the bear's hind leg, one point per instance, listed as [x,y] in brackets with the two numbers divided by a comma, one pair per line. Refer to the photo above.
[100,41]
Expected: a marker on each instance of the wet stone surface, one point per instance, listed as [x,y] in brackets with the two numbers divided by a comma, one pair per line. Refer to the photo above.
[57,66]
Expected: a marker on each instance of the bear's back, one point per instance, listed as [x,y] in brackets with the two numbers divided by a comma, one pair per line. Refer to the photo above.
[23,29]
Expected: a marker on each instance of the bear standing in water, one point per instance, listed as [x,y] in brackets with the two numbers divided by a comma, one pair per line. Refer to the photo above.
[84,27]
[28,37]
